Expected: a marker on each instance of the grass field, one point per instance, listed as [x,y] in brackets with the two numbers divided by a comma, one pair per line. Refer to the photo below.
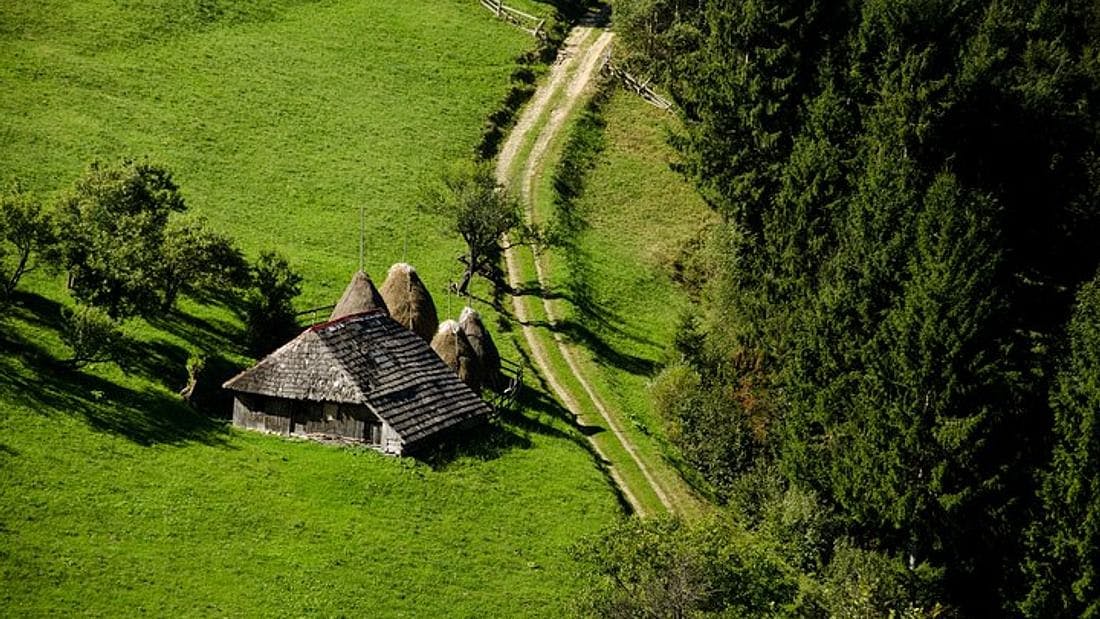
[280,119]
[279,123]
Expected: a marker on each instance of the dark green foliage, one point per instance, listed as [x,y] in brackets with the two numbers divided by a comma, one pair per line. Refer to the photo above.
[709,427]
[663,568]
[1065,540]
[127,253]
[26,232]
[478,209]
[93,336]
[862,583]
[910,192]
[722,567]
[269,304]
[112,229]
[199,260]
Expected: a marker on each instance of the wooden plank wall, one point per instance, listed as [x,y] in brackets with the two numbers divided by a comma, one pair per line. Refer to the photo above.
[282,416]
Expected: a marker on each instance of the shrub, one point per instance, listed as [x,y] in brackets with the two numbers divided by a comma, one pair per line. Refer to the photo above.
[269,305]
[93,336]
[26,229]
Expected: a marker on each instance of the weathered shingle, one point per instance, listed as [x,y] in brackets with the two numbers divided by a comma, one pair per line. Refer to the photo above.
[367,359]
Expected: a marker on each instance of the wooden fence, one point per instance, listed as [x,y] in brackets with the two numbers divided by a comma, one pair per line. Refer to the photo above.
[633,84]
[528,23]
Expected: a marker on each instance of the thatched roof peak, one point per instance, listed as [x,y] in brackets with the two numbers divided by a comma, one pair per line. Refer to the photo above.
[360,296]
[409,302]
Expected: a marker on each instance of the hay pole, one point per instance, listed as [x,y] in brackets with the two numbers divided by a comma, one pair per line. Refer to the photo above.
[362,234]
[405,245]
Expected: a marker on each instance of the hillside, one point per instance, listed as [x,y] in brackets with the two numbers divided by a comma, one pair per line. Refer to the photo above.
[279,121]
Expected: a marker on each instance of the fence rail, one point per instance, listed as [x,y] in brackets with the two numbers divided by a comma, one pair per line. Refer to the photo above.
[528,23]
[635,85]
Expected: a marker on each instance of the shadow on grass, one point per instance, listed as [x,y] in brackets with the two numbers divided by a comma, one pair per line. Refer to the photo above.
[604,353]
[209,335]
[539,401]
[594,319]
[33,377]
[484,443]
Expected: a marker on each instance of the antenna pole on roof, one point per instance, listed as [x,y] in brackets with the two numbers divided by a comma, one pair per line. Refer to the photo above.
[361,234]
[405,249]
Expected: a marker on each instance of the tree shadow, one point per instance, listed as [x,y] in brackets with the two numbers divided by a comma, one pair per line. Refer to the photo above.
[31,376]
[208,334]
[539,402]
[482,443]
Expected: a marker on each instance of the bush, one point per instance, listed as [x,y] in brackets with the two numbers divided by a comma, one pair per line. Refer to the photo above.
[93,336]
[708,425]
[860,583]
[26,231]
[665,568]
[269,306]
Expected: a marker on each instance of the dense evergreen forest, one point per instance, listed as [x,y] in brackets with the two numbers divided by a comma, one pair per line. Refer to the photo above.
[892,382]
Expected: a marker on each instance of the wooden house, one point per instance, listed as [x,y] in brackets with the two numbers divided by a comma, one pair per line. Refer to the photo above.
[362,377]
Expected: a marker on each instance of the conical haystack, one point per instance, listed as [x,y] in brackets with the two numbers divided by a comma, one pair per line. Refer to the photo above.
[408,300]
[451,345]
[360,296]
[485,350]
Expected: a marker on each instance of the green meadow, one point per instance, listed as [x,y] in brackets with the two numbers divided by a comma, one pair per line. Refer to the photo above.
[280,120]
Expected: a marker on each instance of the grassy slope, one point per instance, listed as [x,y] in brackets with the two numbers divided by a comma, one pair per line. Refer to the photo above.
[277,129]
[279,119]
[638,211]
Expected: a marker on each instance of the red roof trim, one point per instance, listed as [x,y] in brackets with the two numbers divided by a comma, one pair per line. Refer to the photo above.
[349,317]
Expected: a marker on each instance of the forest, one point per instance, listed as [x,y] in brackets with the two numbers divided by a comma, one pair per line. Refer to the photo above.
[891,381]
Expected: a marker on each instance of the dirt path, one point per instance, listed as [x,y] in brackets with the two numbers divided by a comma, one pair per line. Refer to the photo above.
[569,78]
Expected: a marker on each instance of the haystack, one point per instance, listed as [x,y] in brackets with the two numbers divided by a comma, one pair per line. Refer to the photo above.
[408,300]
[360,296]
[452,346]
[488,358]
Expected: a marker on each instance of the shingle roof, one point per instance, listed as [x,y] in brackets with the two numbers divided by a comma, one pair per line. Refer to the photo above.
[367,359]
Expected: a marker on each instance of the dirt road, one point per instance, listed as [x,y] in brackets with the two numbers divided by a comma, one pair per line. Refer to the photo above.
[547,112]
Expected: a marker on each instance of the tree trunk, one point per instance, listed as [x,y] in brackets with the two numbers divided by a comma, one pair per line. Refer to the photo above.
[471,268]
[19,270]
